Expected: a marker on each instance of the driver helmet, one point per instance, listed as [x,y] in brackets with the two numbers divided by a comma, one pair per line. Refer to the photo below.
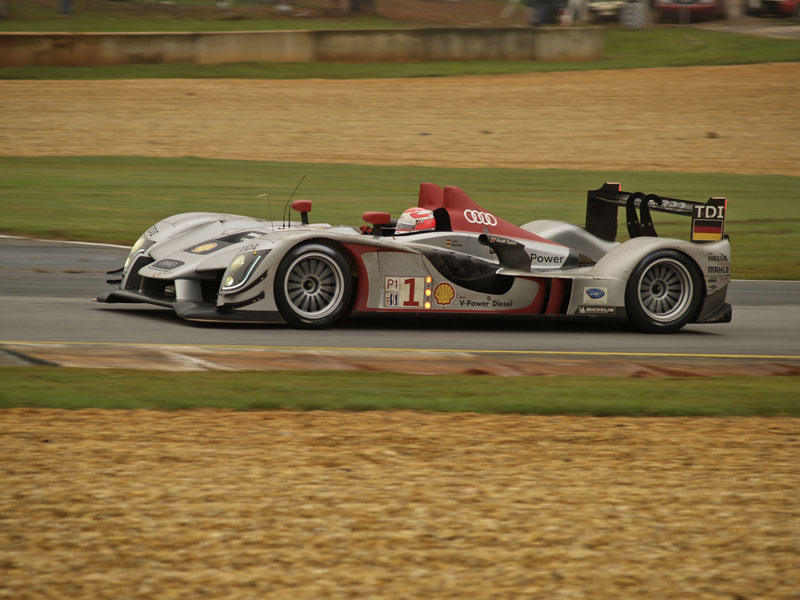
[415,220]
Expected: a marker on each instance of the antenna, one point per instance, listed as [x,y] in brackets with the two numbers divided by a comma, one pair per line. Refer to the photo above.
[283,216]
[269,208]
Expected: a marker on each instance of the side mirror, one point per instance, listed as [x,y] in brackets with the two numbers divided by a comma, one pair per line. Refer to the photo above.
[376,219]
[303,207]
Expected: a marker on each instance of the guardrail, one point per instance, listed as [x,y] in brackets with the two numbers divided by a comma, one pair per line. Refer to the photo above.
[377,45]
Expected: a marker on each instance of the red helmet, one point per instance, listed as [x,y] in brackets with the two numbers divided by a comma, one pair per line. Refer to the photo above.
[415,220]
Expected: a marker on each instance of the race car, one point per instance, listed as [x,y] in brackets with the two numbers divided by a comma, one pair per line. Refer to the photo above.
[446,256]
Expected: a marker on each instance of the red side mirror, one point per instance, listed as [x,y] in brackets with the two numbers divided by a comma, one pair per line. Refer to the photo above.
[377,218]
[301,206]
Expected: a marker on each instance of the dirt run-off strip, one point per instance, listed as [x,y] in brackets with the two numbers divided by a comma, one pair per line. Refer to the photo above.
[311,505]
[731,119]
[414,362]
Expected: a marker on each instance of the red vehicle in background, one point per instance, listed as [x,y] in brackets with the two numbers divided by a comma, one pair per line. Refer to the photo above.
[779,8]
[685,11]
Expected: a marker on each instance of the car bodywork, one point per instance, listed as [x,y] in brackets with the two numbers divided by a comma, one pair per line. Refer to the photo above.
[604,9]
[780,8]
[688,10]
[229,268]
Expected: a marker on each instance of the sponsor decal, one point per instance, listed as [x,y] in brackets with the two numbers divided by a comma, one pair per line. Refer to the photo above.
[501,241]
[453,243]
[391,300]
[719,264]
[488,303]
[469,303]
[480,218]
[708,221]
[597,310]
[595,295]
[205,248]
[444,294]
[545,259]
[152,231]
[706,211]
[166,265]
[501,303]
[669,204]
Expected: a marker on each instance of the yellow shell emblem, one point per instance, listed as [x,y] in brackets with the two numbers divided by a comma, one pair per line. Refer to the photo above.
[444,294]
[204,247]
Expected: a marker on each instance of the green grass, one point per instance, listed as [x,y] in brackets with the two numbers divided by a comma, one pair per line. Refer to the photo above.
[624,49]
[179,15]
[165,23]
[113,199]
[55,387]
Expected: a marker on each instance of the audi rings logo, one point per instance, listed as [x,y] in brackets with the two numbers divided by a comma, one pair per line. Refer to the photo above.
[480,218]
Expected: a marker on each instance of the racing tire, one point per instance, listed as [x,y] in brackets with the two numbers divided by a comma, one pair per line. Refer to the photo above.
[664,292]
[313,286]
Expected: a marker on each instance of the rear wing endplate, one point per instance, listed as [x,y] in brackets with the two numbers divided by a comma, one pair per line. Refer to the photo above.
[602,206]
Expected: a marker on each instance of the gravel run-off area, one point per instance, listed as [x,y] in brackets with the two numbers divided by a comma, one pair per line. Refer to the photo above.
[193,504]
[736,119]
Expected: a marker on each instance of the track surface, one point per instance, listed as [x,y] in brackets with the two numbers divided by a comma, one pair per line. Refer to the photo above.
[48,286]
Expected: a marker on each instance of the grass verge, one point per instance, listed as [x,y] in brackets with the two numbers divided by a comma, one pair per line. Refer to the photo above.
[81,22]
[624,49]
[114,199]
[184,15]
[54,387]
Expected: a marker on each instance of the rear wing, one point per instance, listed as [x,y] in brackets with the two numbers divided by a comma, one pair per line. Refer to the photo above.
[602,206]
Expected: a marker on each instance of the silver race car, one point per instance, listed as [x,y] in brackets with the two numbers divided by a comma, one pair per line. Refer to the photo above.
[447,255]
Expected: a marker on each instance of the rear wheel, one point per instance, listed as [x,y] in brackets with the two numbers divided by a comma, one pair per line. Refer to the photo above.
[664,292]
[313,286]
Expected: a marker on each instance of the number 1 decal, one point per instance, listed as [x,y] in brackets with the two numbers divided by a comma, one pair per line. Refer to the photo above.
[408,292]
[400,292]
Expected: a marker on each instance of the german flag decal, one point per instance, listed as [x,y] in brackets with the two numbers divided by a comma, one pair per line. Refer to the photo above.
[708,220]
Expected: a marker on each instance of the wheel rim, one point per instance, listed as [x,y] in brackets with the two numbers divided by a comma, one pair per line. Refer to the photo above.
[314,285]
[665,290]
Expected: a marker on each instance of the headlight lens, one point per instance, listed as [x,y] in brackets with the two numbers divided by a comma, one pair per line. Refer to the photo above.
[140,246]
[240,270]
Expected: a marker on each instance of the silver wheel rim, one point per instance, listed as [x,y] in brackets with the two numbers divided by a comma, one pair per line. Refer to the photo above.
[665,290]
[314,285]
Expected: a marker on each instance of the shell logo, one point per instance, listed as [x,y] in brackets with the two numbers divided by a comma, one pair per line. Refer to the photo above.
[444,294]
[203,248]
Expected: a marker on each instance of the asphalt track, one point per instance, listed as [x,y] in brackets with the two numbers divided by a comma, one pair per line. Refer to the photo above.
[46,289]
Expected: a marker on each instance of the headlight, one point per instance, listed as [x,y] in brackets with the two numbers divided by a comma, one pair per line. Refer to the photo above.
[240,269]
[140,246]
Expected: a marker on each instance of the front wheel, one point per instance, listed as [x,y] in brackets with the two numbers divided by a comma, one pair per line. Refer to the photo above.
[664,292]
[313,286]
